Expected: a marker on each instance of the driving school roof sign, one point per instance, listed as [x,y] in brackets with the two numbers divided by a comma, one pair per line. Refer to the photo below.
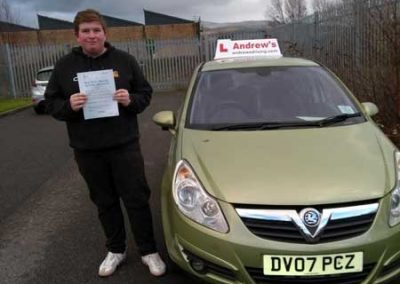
[227,48]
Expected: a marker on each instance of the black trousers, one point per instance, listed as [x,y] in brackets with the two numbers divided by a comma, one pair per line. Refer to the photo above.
[117,174]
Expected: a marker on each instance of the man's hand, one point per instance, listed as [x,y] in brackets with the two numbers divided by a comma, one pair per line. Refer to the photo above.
[122,96]
[77,101]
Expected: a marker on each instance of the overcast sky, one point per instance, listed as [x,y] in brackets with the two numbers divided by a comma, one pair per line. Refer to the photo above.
[208,10]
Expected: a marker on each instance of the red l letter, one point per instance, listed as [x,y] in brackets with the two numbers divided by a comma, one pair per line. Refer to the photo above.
[222,48]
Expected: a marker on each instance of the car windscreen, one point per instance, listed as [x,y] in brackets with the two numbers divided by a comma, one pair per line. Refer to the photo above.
[247,96]
[44,75]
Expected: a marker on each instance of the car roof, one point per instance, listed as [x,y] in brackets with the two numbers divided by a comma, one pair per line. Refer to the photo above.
[248,62]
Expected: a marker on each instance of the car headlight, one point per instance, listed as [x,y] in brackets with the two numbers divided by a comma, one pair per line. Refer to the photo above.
[193,201]
[37,92]
[394,218]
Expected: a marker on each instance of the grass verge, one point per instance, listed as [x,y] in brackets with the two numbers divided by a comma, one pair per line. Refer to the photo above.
[7,104]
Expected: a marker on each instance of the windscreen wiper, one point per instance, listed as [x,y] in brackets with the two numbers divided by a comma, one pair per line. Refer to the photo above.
[294,124]
[336,118]
[263,125]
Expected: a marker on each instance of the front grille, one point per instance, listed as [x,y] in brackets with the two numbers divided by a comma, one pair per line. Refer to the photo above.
[348,278]
[283,225]
[346,228]
[287,232]
[274,230]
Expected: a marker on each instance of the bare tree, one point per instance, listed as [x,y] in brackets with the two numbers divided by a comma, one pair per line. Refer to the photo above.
[286,11]
[320,6]
[275,11]
[295,9]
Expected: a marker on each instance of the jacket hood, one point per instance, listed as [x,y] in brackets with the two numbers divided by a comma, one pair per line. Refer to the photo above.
[292,167]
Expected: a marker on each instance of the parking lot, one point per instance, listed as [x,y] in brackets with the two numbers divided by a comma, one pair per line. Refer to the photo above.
[49,232]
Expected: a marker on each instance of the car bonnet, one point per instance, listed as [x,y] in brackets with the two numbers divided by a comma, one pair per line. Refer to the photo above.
[292,166]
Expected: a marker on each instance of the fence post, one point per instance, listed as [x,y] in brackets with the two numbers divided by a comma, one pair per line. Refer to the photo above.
[293,33]
[357,12]
[206,44]
[10,71]
[314,48]
[204,47]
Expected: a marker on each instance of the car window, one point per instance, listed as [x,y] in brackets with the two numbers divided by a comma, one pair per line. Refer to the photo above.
[44,75]
[267,94]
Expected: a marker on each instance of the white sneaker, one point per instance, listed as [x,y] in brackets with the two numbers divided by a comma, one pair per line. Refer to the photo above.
[110,263]
[154,262]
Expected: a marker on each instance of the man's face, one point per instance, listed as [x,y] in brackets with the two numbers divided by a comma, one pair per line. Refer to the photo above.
[91,37]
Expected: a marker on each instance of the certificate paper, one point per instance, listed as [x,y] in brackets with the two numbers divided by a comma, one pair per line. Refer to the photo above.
[99,87]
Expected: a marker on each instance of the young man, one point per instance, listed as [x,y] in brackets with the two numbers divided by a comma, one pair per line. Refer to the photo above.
[107,149]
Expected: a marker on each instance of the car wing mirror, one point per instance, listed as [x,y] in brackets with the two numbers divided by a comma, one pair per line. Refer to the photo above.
[165,119]
[370,108]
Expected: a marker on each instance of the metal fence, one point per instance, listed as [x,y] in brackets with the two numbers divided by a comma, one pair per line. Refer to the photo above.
[358,40]
[167,64]
[23,61]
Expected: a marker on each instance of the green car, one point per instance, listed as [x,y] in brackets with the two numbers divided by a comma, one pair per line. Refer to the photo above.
[277,174]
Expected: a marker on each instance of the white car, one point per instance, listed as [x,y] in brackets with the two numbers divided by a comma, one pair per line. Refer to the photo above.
[39,87]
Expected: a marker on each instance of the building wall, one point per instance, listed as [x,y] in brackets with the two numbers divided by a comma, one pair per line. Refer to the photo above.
[174,31]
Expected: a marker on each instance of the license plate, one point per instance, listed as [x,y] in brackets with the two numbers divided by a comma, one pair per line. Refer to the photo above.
[295,265]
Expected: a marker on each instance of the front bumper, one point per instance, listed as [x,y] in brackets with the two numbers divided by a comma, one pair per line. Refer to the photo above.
[37,94]
[36,100]
[237,257]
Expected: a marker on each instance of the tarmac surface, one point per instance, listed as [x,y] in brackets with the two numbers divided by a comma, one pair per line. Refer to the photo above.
[49,231]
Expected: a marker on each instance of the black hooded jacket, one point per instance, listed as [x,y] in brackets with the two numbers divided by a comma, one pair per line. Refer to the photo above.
[99,133]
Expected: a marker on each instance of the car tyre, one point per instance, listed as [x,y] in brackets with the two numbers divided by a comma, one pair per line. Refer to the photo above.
[172,266]
[40,108]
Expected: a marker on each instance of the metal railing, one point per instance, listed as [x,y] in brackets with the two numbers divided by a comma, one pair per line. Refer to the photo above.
[359,41]
[167,64]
